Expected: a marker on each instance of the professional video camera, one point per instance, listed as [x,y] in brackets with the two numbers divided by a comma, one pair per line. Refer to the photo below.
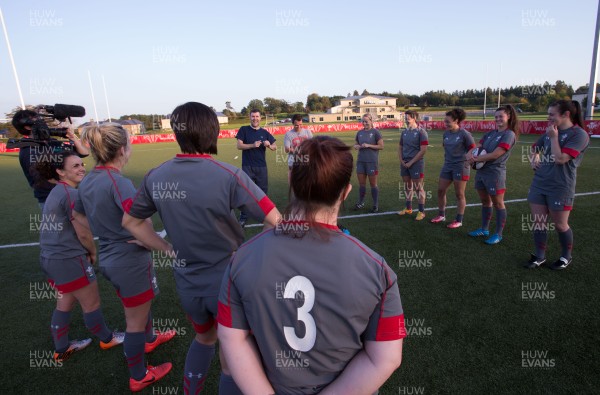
[32,124]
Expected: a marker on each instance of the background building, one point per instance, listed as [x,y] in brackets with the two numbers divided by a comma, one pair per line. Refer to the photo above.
[352,108]
[133,126]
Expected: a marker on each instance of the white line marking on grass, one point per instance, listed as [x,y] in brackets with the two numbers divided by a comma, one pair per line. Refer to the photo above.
[344,217]
[432,208]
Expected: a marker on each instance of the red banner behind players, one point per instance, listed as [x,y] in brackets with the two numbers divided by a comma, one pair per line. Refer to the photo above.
[527,127]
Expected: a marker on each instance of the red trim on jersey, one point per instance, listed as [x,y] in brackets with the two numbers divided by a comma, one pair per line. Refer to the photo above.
[328,226]
[202,328]
[567,208]
[125,204]
[107,168]
[71,204]
[72,285]
[422,175]
[504,145]
[465,178]
[425,142]
[266,205]
[261,204]
[136,300]
[382,333]
[500,191]
[471,147]
[224,313]
[376,173]
[570,151]
[193,156]
[390,328]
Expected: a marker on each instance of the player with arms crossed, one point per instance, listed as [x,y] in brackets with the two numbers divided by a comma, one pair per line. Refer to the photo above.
[305,308]
[199,219]
[67,254]
[555,159]
[411,151]
[368,144]
[490,181]
[103,197]
[457,143]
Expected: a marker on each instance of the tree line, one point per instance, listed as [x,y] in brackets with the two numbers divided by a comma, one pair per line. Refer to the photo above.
[529,98]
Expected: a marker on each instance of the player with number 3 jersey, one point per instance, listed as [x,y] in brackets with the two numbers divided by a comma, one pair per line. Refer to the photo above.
[305,308]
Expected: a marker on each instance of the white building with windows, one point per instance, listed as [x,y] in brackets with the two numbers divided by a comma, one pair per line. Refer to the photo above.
[352,108]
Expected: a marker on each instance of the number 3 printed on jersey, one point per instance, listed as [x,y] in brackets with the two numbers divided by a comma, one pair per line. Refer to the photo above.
[301,283]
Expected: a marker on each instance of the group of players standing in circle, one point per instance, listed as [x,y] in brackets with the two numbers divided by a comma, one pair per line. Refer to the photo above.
[279,298]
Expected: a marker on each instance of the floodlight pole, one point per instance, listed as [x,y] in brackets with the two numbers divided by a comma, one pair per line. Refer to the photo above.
[106,98]
[485,91]
[93,98]
[592,87]
[499,89]
[12,60]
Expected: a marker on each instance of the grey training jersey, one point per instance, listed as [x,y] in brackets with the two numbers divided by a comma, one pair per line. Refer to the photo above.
[456,146]
[411,141]
[310,303]
[293,139]
[551,177]
[58,239]
[104,195]
[494,139]
[371,136]
[195,196]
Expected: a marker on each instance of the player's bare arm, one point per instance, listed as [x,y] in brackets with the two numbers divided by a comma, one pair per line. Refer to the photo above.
[490,156]
[142,230]
[560,157]
[272,219]
[79,147]
[244,361]
[84,234]
[369,369]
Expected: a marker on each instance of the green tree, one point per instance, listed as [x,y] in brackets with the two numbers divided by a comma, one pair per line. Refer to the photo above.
[274,106]
[256,104]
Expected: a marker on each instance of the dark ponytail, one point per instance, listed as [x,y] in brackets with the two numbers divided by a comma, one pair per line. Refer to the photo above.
[574,108]
[513,120]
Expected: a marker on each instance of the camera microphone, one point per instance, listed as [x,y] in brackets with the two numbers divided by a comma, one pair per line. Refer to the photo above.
[64,111]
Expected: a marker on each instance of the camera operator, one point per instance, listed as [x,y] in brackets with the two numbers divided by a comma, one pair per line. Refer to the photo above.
[32,153]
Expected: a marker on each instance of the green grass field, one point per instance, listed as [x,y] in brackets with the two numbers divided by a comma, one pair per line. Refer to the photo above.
[477,322]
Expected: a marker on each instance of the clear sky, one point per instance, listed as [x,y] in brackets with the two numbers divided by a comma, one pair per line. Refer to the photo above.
[155,55]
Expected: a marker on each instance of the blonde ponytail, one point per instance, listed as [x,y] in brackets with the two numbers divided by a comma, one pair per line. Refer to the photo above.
[105,141]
